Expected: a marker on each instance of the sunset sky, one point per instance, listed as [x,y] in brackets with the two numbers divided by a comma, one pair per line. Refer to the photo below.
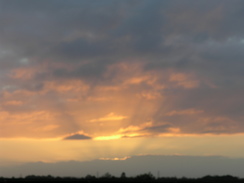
[109,79]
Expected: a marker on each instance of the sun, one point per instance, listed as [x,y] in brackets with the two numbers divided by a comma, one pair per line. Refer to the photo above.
[112,137]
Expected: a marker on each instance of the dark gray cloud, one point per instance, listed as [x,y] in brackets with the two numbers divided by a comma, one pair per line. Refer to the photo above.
[172,166]
[157,128]
[77,137]
[80,30]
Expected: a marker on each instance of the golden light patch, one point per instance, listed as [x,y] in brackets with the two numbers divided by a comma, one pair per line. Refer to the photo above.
[132,135]
[116,159]
[133,129]
[110,117]
[112,137]
[129,129]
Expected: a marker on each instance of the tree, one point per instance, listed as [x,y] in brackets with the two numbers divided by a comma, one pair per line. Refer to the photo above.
[123,175]
[146,176]
[107,176]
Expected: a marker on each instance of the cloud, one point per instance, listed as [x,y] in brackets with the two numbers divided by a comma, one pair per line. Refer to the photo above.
[77,137]
[109,117]
[168,62]
[184,112]
[184,80]
[148,129]
[158,128]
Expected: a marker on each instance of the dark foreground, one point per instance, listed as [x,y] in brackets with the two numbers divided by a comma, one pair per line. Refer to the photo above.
[145,178]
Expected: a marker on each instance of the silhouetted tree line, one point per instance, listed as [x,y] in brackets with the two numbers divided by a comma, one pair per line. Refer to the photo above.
[108,178]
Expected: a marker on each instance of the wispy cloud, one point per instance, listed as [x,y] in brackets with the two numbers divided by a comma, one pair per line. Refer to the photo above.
[109,117]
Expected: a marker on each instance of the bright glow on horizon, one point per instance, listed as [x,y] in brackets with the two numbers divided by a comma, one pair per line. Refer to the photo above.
[34,150]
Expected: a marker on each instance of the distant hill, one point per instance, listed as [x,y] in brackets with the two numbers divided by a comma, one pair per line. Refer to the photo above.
[163,166]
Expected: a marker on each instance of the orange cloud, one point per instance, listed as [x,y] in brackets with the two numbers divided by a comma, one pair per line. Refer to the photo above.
[66,86]
[139,79]
[150,95]
[109,117]
[132,128]
[24,73]
[13,103]
[28,124]
[133,94]
[47,128]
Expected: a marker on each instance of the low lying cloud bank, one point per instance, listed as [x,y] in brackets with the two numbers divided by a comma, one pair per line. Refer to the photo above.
[163,166]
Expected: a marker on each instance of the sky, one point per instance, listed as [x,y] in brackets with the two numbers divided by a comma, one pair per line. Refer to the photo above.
[83,80]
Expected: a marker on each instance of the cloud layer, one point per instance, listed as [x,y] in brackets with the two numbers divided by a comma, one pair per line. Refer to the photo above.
[128,68]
